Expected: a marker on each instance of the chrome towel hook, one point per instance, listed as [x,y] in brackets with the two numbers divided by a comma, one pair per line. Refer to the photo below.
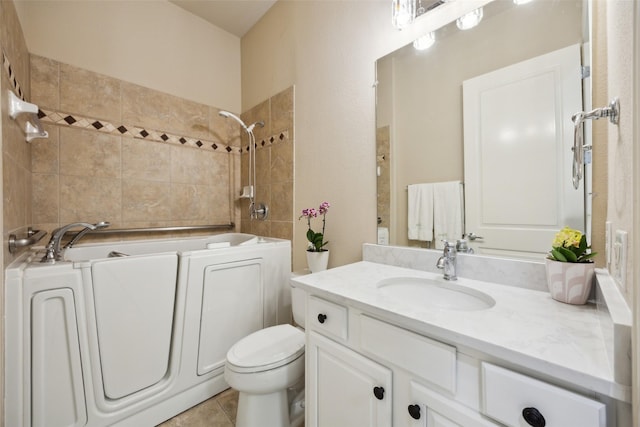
[612,111]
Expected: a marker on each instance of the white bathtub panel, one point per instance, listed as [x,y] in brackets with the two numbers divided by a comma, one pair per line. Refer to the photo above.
[232,308]
[134,305]
[57,386]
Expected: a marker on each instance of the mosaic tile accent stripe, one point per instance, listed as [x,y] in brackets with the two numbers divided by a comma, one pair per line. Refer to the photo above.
[12,76]
[63,119]
[73,120]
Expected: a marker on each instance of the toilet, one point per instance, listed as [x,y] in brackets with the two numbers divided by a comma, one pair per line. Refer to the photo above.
[267,369]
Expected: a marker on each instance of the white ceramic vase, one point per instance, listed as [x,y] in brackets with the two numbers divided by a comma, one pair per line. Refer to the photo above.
[317,261]
[569,282]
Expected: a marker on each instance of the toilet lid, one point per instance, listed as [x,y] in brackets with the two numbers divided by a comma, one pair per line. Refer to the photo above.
[266,349]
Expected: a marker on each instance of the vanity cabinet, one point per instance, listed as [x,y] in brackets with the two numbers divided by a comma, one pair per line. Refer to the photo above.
[349,389]
[363,371]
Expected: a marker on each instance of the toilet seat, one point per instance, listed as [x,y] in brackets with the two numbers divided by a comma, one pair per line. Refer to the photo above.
[266,349]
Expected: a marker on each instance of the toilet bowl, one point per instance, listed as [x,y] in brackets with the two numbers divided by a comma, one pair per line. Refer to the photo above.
[267,369]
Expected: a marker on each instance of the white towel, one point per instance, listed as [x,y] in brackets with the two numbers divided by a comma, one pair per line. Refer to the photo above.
[420,212]
[447,212]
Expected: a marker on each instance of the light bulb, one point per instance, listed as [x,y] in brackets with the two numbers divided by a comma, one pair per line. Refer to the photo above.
[424,42]
[470,20]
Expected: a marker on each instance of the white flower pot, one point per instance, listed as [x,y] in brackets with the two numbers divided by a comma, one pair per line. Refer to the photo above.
[317,261]
[569,282]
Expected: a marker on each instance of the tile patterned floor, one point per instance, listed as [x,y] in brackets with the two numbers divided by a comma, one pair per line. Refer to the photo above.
[219,411]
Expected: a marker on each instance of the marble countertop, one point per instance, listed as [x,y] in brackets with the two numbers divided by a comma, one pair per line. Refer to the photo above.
[525,328]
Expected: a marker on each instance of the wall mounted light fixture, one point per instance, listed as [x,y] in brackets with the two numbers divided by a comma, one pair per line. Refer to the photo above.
[403,13]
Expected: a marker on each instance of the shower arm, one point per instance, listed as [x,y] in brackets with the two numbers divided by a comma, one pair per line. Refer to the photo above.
[262,211]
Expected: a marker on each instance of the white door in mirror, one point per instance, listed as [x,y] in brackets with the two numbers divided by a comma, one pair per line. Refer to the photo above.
[517,123]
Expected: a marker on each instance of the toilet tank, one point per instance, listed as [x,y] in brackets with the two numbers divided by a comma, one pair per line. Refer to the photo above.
[298,302]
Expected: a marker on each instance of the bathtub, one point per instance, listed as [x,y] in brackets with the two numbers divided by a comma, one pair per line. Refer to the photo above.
[133,333]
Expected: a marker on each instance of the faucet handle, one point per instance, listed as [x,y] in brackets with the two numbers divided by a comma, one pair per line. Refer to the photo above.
[449,248]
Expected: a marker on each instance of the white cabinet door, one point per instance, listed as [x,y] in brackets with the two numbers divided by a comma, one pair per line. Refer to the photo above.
[344,388]
[517,123]
[431,409]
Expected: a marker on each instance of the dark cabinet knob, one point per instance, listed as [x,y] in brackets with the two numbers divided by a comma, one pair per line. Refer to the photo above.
[533,417]
[378,392]
[322,317]
[414,411]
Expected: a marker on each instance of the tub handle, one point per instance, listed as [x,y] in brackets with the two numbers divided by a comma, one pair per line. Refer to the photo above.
[117,254]
[32,237]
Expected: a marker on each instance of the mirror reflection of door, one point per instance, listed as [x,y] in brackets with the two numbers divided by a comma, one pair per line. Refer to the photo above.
[517,122]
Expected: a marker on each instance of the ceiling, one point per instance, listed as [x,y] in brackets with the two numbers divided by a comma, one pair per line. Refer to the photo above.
[235,16]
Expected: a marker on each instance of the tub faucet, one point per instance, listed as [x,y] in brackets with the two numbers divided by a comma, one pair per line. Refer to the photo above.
[81,233]
[447,261]
[54,252]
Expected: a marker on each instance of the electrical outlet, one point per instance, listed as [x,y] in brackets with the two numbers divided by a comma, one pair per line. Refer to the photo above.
[619,261]
[607,243]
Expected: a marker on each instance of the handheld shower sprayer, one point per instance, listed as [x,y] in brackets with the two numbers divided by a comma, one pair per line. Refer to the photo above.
[259,210]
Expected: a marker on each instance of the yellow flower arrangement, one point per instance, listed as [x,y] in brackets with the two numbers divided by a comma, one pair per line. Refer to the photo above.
[570,245]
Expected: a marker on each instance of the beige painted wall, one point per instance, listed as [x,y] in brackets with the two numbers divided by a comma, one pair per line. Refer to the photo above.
[154,44]
[328,50]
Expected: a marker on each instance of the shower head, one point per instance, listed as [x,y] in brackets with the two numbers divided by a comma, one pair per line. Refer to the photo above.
[253,125]
[227,114]
[249,128]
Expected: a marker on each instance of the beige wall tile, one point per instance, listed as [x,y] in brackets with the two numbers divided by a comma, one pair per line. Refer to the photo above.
[45,152]
[45,82]
[190,202]
[142,200]
[14,45]
[89,94]
[282,201]
[263,165]
[282,230]
[91,200]
[145,160]
[150,108]
[16,194]
[282,162]
[282,111]
[260,228]
[45,198]
[88,153]
[259,113]
[221,210]
[194,166]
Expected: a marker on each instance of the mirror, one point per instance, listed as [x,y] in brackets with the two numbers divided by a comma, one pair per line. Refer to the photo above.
[419,112]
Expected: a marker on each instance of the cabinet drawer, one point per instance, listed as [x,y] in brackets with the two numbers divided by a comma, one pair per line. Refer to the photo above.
[506,394]
[327,318]
[430,360]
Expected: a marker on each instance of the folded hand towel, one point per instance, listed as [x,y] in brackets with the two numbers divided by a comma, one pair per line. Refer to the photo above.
[447,211]
[420,212]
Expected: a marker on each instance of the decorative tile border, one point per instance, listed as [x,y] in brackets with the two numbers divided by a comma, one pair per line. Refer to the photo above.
[12,76]
[137,132]
[72,120]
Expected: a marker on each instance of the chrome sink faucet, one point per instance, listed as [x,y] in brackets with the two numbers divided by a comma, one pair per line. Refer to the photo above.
[54,252]
[447,261]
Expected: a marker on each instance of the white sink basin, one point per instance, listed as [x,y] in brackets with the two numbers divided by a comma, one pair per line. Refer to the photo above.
[430,293]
